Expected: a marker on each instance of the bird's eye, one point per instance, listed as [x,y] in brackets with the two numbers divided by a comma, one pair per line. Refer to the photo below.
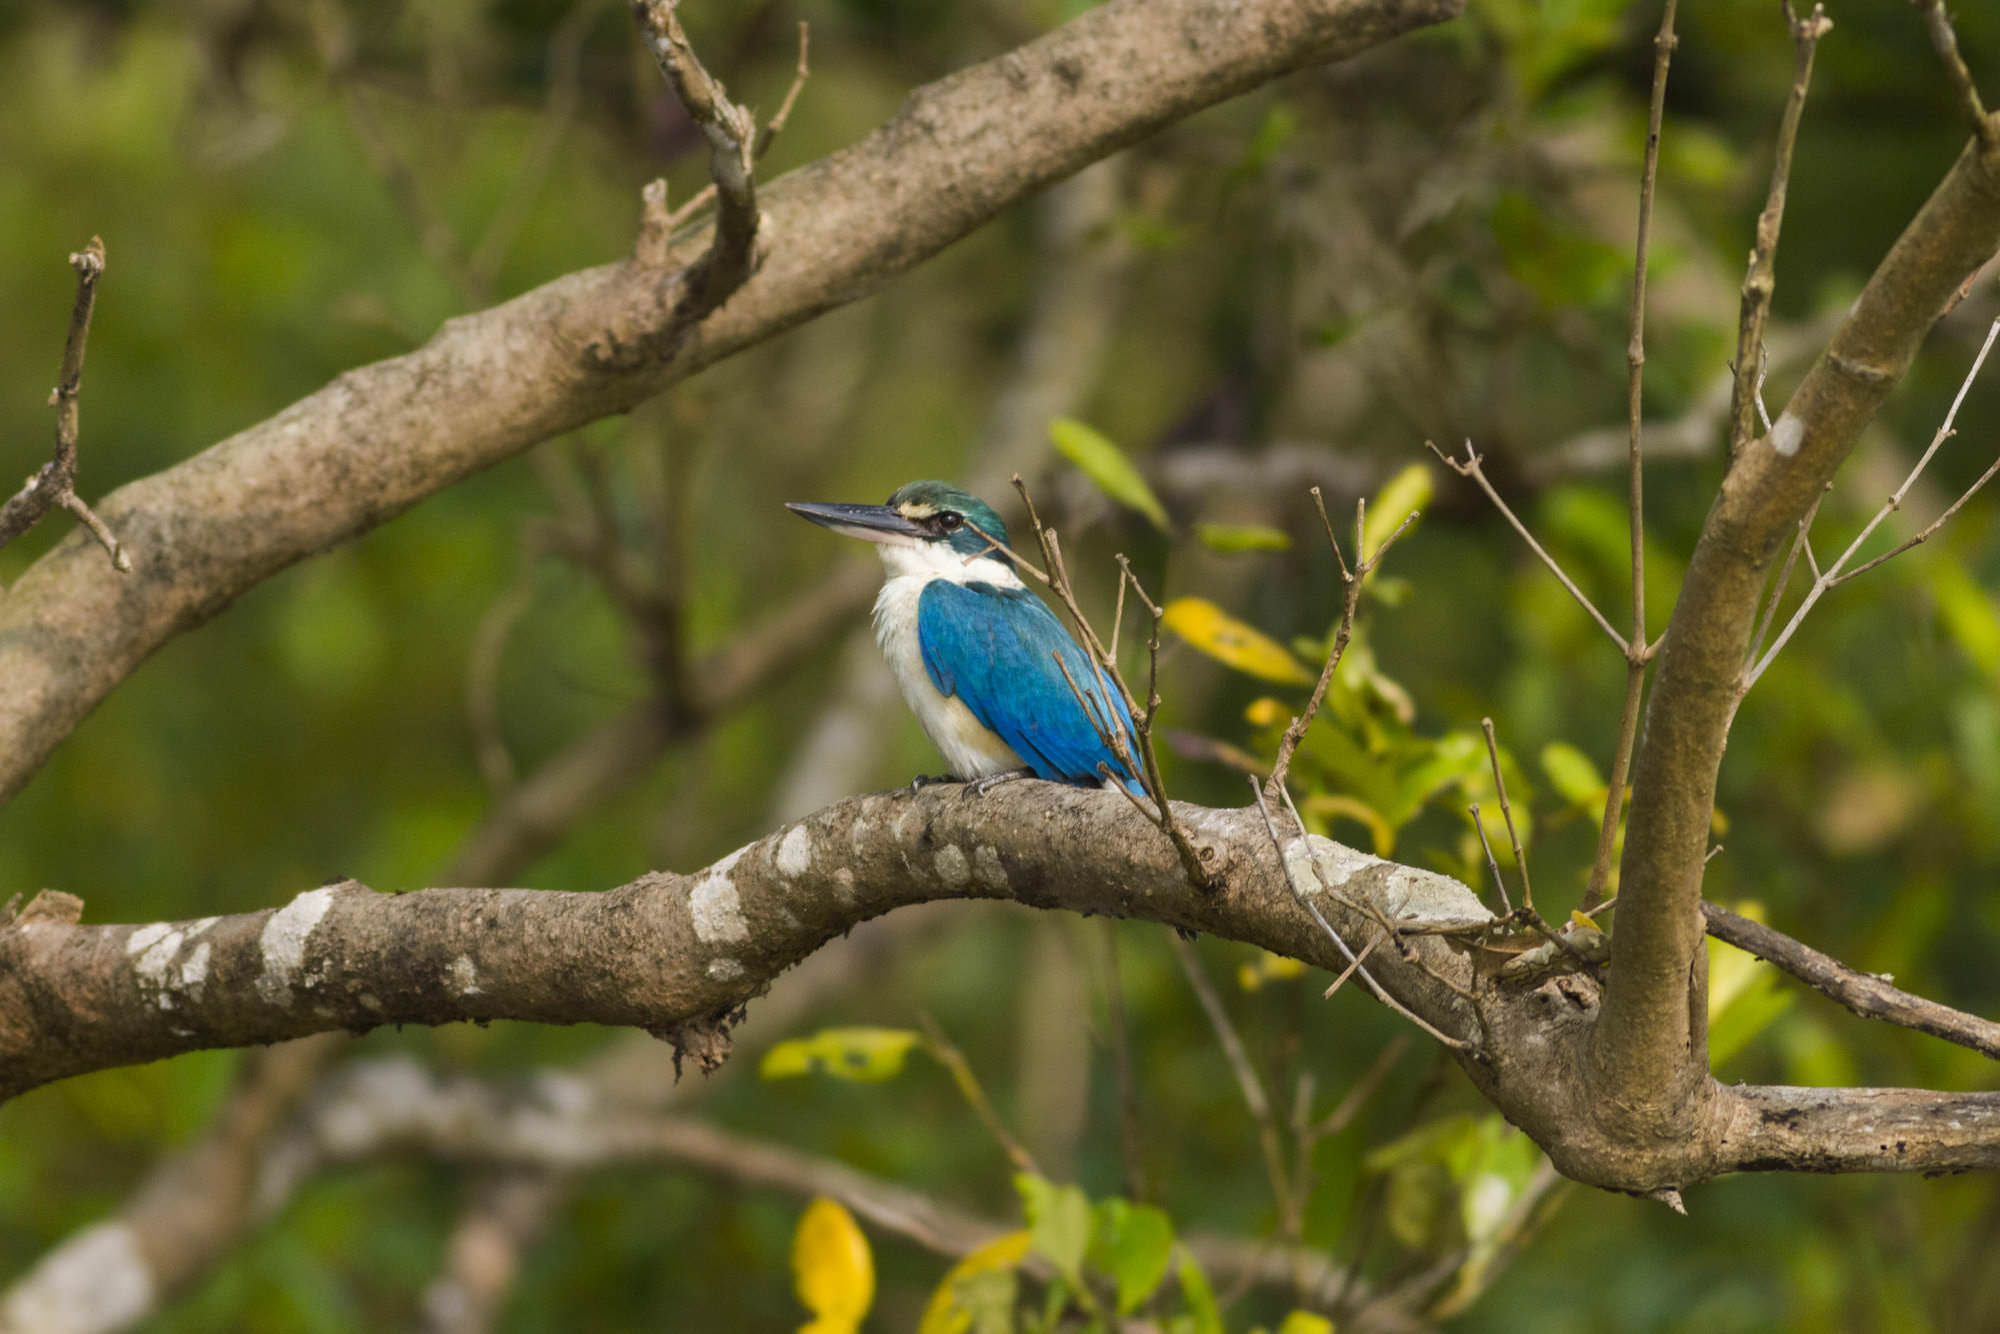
[950,521]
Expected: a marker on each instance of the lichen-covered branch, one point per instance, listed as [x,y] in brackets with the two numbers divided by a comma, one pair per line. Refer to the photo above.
[681,955]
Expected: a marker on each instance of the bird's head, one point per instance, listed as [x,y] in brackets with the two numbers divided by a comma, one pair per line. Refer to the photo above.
[927,527]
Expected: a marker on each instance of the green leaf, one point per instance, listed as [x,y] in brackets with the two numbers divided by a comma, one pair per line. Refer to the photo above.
[865,1055]
[1107,467]
[1133,1244]
[1059,1221]
[1229,641]
[1573,775]
[1200,1298]
[977,1294]
[1231,538]
[1968,612]
[1743,994]
[1401,496]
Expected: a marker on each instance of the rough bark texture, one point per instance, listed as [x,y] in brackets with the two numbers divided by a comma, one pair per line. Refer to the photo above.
[380,438]
[680,955]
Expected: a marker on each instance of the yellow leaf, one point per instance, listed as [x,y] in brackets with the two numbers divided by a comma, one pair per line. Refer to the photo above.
[1106,465]
[1404,494]
[1305,1322]
[942,1314]
[832,1268]
[866,1055]
[1331,804]
[1266,712]
[1267,967]
[1221,636]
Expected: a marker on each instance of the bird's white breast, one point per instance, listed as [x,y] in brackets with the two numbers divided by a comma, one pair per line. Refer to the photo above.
[969,747]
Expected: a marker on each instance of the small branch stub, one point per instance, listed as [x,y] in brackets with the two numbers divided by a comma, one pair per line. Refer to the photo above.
[54,484]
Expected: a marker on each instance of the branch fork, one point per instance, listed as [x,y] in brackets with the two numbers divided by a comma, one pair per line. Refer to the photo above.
[53,485]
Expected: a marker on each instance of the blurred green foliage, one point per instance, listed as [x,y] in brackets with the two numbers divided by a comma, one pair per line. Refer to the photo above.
[1431,242]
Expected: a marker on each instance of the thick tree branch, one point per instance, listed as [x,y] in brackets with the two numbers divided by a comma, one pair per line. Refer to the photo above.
[1647,1051]
[382,437]
[672,954]
[680,955]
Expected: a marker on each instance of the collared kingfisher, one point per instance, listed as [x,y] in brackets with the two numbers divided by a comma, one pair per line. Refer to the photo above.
[974,650]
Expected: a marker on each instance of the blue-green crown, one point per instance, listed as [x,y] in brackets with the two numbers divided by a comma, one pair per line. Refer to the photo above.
[950,513]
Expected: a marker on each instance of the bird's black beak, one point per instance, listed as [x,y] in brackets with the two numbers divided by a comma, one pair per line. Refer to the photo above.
[871,523]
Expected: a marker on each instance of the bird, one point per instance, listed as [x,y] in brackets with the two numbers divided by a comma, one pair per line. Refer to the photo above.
[975,651]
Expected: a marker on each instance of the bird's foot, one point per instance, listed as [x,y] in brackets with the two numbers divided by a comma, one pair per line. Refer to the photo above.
[922,781]
[980,787]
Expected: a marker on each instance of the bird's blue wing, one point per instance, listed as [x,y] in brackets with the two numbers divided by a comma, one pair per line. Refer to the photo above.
[996,650]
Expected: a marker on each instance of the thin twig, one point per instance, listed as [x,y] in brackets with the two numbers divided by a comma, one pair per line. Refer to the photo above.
[1664,43]
[1305,900]
[1141,759]
[954,1061]
[53,486]
[1255,1098]
[1760,280]
[1635,337]
[1360,957]
[1129,1146]
[1492,863]
[1802,542]
[1507,813]
[1471,468]
[1938,24]
[1838,573]
[1353,581]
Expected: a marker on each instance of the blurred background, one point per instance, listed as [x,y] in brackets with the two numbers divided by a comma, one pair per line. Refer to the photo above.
[1297,288]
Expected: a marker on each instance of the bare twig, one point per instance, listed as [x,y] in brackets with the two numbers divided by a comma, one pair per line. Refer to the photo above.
[1507,813]
[1838,573]
[1938,24]
[1255,1098]
[1352,581]
[953,1060]
[1760,280]
[1471,468]
[1664,43]
[1120,1040]
[1492,863]
[1305,900]
[1869,995]
[1139,757]
[54,483]
[1635,337]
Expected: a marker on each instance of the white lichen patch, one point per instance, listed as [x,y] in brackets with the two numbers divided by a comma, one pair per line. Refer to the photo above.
[843,885]
[724,970]
[192,975]
[462,976]
[1336,863]
[98,1279]
[716,907]
[986,865]
[952,870]
[795,853]
[283,944]
[1787,435]
[156,951]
